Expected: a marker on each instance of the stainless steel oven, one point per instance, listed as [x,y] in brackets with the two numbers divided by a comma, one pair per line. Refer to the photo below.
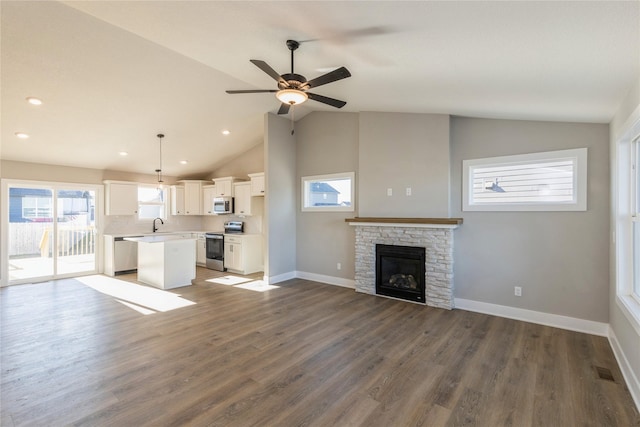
[215,251]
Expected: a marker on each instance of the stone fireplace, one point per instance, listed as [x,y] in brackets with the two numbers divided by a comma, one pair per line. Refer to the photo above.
[435,235]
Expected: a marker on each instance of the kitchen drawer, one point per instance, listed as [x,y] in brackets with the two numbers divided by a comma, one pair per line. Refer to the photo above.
[232,239]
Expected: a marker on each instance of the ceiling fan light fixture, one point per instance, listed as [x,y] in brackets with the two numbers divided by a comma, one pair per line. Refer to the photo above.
[291,96]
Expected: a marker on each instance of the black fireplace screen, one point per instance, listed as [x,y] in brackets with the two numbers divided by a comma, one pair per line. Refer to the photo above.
[400,272]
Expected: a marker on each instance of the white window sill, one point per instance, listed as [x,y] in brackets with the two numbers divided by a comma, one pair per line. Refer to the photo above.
[631,309]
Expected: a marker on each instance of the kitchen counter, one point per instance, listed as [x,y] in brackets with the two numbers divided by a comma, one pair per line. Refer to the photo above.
[166,261]
[157,233]
[158,238]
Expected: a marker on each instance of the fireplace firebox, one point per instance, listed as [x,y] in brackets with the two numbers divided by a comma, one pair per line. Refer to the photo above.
[400,272]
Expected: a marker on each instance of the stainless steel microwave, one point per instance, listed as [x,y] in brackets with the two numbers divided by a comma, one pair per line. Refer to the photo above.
[223,205]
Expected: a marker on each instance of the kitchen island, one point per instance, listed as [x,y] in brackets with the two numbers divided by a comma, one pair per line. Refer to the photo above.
[166,261]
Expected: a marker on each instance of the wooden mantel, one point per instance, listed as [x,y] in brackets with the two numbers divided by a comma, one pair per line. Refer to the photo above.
[407,222]
[447,221]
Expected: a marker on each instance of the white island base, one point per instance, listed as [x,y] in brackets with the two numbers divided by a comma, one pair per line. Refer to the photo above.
[166,262]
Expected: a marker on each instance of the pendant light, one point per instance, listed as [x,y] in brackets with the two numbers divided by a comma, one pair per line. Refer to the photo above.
[159,170]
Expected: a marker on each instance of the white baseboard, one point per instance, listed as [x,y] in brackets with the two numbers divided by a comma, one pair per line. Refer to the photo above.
[547,319]
[629,376]
[280,277]
[331,280]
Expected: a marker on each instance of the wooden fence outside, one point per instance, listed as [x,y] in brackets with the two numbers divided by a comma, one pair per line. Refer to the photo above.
[37,238]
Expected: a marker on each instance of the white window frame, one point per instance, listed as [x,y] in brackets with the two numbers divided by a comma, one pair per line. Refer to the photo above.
[306,180]
[579,202]
[634,217]
[164,203]
[623,214]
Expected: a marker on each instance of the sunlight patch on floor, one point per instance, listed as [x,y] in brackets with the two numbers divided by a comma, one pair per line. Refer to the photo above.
[137,308]
[144,298]
[229,280]
[258,286]
[243,283]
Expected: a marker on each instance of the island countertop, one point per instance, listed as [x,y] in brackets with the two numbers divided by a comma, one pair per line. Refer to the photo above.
[159,238]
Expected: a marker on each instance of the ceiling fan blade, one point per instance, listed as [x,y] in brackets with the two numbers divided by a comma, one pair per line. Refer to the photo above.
[332,76]
[267,69]
[252,91]
[326,100]
[284,108]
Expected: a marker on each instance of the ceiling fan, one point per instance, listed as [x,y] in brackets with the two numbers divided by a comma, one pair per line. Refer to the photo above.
[293,88]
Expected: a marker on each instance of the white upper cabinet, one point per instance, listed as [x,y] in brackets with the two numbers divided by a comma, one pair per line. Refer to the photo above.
[121,198]
[245,204]
[208,193]
[257,184]
[192,197]
[177,200]
[242,199]
[186,198]
[224,186]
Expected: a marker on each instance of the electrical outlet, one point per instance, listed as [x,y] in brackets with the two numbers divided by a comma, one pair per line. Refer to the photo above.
[389,191]
[517,291]
[339,266]
[408,191]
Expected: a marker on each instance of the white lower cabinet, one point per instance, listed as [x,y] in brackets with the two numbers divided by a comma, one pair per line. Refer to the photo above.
[201,250]
[243,253]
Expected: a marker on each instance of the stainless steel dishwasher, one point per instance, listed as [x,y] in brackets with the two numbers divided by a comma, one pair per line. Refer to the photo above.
[125,255]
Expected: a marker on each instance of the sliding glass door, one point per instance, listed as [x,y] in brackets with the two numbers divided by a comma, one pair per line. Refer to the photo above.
[51,231]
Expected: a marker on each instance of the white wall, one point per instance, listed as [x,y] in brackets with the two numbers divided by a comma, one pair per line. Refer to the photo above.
[251,161]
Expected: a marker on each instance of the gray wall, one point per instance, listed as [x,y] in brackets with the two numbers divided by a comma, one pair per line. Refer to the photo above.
[327,143]
[561,259]
[397,151]
[280,200]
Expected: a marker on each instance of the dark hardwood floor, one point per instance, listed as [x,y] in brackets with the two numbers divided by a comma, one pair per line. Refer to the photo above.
[303,353]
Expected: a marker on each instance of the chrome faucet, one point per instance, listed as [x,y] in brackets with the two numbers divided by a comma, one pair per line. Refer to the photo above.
[154,224]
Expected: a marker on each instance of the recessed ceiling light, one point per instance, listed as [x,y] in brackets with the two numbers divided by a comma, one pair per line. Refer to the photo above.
[225,132]
[22,135]
[123,153]
[183,162]
[34,101]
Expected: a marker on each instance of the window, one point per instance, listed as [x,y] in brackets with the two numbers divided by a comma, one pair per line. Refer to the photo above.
[549,181]
[627,222]
[635,215]
[333,192]
[36,208]
[151,202]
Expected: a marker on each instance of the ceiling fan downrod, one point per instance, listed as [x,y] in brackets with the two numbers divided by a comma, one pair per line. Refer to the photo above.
[292,45]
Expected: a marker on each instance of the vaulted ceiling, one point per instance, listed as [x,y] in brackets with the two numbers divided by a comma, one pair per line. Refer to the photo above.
[113,74]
